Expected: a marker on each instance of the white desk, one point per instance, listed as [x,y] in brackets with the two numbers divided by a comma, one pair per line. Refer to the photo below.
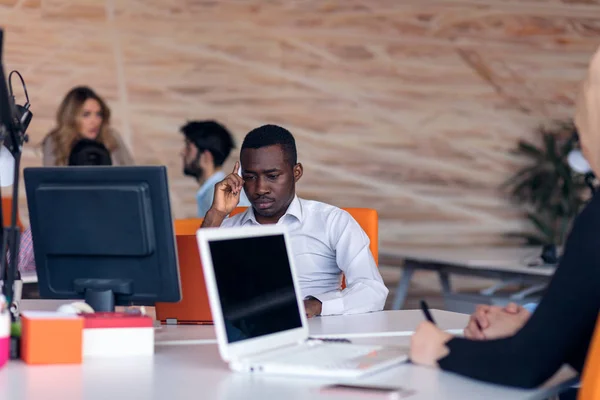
[195,371]
[367,327]
[383,324]
[497,263]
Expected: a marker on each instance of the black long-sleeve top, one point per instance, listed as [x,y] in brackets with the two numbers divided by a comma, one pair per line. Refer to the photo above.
[559,331]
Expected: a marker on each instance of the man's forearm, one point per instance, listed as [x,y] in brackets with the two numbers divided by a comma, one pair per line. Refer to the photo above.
[358,297]
[213,219]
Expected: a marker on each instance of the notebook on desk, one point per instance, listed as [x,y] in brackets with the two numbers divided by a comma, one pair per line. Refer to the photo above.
[259,313]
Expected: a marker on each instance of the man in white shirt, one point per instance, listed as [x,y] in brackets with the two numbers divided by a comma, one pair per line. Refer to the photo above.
[326,241]
[207,146]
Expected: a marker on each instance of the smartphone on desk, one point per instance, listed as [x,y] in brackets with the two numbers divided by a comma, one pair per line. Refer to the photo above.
[369,391]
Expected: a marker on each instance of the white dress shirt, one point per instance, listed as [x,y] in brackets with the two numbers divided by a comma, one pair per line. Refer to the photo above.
[327,241]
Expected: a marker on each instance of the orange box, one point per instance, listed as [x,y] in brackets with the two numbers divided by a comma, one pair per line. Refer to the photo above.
[51,338]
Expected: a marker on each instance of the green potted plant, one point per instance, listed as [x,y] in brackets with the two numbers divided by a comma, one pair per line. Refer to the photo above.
[550,193]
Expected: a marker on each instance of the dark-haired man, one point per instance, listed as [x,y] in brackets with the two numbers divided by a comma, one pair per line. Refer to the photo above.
[326,240]
[207,146]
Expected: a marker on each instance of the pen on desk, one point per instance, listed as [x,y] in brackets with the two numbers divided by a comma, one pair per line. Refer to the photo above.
[425,310]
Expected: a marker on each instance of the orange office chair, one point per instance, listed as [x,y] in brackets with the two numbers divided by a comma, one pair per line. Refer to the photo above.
[6,210]
[367,218]
[193,308]
[187,226]
[590,381]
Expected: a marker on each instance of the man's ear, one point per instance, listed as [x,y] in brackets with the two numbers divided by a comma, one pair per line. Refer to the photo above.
[298,170]
[206,159]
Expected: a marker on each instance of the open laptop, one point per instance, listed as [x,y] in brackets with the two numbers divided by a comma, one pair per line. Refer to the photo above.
[259,314]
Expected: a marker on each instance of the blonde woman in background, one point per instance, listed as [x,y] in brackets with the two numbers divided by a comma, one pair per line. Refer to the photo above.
[82,115]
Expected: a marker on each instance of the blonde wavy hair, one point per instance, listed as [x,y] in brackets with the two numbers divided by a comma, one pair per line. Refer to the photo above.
[66,134]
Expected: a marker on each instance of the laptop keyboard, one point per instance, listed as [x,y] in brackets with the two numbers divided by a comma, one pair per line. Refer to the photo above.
[332,356]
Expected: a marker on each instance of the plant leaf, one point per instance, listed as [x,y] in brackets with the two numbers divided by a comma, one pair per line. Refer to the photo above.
[530,149]
[531,239]
[544,227]
[550,145]
[547,190]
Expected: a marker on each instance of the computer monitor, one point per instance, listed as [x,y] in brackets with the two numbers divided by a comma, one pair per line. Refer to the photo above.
[104,234]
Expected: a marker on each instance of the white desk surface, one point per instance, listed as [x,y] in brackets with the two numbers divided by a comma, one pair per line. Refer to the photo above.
[197,372]
[385,323]
[510,259]
[193,371]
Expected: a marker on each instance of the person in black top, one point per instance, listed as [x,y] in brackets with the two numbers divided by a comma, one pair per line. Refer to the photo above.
[561,328]
[89,152]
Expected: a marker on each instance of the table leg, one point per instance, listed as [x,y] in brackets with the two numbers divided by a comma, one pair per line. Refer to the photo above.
[529,291]
[445,282]
[402,288]
[500,285]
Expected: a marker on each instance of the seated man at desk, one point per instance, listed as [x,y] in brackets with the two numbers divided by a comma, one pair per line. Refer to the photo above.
[326,240]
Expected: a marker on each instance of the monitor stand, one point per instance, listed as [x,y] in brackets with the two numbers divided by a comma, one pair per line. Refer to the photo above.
[100,293]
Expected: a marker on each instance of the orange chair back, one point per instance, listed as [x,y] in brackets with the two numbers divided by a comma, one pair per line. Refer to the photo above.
[368,219]
[6,211]
[187,226]
[590,382]
[194,307]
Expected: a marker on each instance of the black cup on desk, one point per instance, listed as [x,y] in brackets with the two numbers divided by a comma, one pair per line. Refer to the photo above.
[547,258]
[549,254]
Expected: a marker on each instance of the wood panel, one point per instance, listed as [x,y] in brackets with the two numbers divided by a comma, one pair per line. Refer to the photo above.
[410,107]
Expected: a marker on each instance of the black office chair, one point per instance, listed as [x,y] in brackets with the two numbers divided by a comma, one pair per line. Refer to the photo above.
[89,152]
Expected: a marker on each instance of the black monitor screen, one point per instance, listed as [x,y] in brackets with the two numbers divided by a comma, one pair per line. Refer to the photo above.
[103,231]
[255,285]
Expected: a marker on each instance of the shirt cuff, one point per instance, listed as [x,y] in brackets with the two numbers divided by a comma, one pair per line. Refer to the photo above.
[331,303]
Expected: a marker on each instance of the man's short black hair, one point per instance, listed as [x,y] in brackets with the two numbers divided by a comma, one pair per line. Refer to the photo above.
[211,136]
[269,135]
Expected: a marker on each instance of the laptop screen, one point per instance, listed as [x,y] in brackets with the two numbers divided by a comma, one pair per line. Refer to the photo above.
[255,285]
